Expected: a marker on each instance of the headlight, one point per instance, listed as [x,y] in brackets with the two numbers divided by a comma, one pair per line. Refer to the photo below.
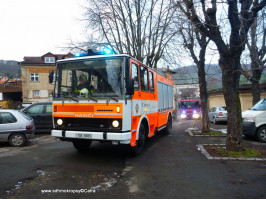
[59,122]
[115,123]
[183,116]
[196,116]
[249,120]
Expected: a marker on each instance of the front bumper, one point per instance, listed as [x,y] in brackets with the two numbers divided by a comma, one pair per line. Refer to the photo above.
[249,128]
[122,138]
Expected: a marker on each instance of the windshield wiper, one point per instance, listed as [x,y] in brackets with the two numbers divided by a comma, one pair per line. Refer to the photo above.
[113,98]
[92,99]
[74,99]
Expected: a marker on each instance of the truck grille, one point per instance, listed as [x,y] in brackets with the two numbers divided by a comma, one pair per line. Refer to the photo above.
[91,124]
[71,108]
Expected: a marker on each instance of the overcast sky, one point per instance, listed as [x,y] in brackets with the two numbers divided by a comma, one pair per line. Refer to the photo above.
[35,27]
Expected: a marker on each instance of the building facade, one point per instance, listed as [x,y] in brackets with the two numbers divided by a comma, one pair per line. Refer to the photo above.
[10,92]
[216,98]
[34,76]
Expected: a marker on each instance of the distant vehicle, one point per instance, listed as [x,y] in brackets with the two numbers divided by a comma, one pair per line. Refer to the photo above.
[218,114]
[41,114]
[189,108]
[254,121]
[15,127]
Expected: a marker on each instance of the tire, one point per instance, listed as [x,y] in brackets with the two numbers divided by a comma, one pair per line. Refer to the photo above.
[261,134]
[136,150]
[169,126]
[17,140]
[82,145]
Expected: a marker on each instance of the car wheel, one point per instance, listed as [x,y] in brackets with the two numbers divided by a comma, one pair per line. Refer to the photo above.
[168,128]
[82,145]
[261,134]
[17,140]
[136,150]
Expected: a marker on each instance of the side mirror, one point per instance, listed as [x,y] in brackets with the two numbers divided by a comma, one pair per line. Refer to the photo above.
[129,87]
[51,76]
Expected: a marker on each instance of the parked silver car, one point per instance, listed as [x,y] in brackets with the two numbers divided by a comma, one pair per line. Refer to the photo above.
[218,114]
[15,127]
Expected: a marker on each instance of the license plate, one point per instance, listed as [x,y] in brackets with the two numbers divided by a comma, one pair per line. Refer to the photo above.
[83,135]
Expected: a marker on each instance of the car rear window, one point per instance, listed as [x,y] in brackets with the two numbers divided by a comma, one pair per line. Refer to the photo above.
[6,118]
[25,116]
[222,109]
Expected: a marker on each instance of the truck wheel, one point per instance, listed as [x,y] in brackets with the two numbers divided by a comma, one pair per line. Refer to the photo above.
[261,134]
[17,140]
[136,150]
[168,128]
[82,145]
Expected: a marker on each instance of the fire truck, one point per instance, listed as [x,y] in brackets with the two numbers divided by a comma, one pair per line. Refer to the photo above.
[122,102]
[189,108]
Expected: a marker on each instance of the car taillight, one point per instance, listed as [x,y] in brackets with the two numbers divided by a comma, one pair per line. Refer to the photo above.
[30,127]
[220,114]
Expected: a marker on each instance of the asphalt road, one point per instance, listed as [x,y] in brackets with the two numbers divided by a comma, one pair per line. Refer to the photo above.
[170,167]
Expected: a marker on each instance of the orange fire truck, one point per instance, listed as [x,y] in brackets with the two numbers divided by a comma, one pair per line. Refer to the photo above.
[110,98]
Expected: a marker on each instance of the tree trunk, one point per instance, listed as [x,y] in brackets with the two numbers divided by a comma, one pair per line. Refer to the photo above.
[230,80]
[255,83]
[203,98]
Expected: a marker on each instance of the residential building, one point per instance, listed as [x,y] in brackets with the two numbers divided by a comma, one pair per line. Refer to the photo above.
[10,92]
[216,97]
[34,76]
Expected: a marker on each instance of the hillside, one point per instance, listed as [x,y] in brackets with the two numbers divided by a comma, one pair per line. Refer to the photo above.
[10,68]
[189,75]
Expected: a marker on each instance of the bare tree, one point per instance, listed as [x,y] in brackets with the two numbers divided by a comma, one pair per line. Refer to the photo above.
[191,36]
[140,28]
[257,51]
[241,15]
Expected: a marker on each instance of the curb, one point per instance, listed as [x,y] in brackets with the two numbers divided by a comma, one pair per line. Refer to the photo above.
[201,148]
[191,134]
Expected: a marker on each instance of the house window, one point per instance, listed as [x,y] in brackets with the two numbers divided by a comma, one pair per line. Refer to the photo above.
[36,93]
[49,60]
[34,77]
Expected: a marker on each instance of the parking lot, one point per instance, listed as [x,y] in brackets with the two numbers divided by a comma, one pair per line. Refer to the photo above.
[170,167]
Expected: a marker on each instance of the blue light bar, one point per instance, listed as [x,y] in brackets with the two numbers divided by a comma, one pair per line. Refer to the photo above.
[81,54]
[91,52]
[107,51]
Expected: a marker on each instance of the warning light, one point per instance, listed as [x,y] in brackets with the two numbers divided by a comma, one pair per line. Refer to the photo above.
[81,54]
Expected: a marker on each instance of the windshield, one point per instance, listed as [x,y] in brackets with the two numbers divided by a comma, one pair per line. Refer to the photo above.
[189,104]
[261,105]
[90,78]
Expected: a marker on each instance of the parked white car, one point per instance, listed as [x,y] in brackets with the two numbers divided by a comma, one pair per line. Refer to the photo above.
[218,114]
[15,127]
[254,121]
